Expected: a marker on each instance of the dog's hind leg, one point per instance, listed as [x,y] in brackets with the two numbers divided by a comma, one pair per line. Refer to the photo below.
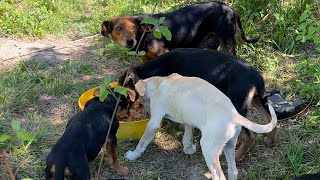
[150,132]
[188,146]
[112,154]
[247,141]
[241,103]
[270,139]
[211,152]
[229,152]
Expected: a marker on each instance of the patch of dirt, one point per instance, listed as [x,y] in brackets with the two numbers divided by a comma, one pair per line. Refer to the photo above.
[49,49]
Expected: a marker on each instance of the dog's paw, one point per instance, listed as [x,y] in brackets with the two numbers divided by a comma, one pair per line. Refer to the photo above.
[132,155]
[270,142]
[122,170]
[190,150]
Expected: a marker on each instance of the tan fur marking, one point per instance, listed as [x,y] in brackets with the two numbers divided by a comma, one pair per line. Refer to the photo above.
[252,92]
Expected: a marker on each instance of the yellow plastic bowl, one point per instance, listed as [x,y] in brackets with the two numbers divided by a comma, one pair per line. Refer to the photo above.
[132,130]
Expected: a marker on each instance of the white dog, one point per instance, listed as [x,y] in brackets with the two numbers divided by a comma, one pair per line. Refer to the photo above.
[196,103]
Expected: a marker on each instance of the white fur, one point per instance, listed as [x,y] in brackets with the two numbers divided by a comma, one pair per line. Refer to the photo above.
[196,103]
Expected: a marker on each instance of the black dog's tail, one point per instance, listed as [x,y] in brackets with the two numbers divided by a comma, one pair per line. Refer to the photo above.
[243,36]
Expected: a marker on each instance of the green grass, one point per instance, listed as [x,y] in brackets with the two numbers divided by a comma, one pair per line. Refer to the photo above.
[42,95]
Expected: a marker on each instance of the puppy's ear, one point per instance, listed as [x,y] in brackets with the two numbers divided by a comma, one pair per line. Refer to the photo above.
[137,20]
[131,79]
[140,88]
[106,28]
[142,27]
[132,95]
[96,92]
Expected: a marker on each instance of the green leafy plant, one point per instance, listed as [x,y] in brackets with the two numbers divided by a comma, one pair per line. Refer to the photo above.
[105,89]
[284,35]
[309,28]
[134,53]
[20,135]
[158,28]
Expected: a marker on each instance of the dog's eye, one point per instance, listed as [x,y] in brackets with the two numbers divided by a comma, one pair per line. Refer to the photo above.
[119,28]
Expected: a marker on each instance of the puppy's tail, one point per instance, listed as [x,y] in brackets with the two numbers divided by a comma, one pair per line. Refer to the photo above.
[243,36]
[258,128]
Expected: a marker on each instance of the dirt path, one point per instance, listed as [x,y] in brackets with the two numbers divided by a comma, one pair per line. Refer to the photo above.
[49,49]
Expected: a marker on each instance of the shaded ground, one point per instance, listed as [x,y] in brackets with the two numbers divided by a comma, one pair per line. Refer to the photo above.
[51,50]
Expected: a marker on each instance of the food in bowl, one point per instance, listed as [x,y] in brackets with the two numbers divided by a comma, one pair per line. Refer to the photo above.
[128,130]
[135,113]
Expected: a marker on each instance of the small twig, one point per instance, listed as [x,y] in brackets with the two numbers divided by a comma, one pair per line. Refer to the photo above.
[6,162]
[264,18]
[118,99]
[115,110]
[2,173]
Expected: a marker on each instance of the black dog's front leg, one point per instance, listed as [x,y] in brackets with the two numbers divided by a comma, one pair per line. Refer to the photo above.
[112,154]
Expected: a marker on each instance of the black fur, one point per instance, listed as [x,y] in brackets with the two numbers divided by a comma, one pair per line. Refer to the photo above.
[308,177]
[82,140]
[231,75]
[201,25]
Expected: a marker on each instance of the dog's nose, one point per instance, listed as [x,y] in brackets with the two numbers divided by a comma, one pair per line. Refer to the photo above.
[129,42]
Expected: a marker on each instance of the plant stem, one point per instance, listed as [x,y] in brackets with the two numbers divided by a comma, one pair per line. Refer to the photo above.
[118,99]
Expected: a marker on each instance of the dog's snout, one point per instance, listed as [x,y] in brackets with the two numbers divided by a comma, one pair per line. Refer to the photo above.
[130,42]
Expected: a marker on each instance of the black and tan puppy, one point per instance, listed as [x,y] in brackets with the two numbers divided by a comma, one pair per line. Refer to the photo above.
[200,25]
[82,140]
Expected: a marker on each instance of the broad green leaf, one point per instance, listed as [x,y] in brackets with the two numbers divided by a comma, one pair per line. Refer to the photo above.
[107,80]
[318,48]
[304,16]
[26,179]
[299,37]
[313,117]
[312,29]
[141,53]
[316,39]
[15,125]
[103,87]
[161,20]
[149,21]
[309,36]
[103,95]
[4,137]
[303,39]
[24,136]
[132,53]
[166,32]
[157,34]
[299,67]
[302,26]
[121,90]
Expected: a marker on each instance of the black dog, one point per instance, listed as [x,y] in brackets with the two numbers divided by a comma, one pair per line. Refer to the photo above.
[82,140]
[308,177]
[234,77]
[200,25]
